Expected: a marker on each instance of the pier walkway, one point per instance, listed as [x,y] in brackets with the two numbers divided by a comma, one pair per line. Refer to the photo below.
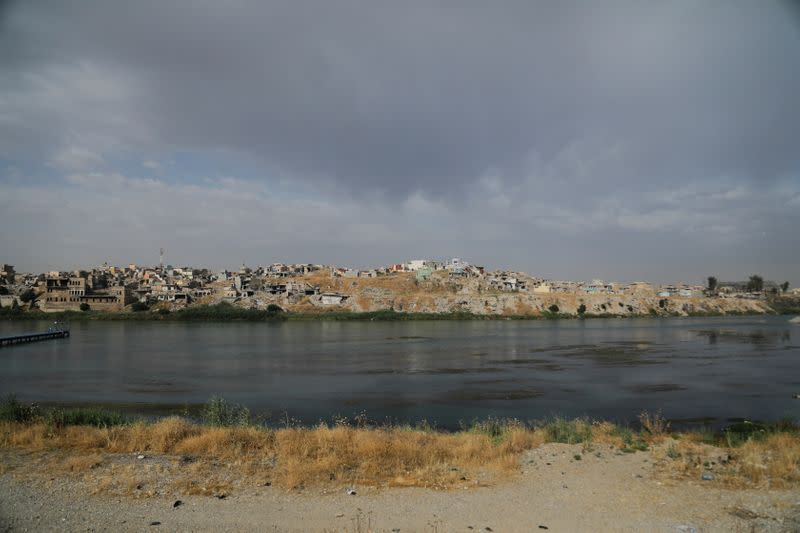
[34,337]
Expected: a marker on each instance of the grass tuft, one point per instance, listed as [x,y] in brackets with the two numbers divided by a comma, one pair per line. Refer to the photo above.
[568,431]
[220,412]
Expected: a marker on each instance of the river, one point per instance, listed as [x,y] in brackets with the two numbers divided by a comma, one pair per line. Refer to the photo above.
[695,370]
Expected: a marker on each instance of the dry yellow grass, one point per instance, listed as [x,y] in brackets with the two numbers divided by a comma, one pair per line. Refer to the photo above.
[771,462]
[211,460]
[295,457]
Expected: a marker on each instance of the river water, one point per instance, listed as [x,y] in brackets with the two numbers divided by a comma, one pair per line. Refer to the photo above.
[695,370]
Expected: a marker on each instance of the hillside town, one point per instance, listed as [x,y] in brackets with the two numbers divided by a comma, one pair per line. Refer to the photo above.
[418,285]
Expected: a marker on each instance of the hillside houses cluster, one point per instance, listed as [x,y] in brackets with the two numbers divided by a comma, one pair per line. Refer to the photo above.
[111,288]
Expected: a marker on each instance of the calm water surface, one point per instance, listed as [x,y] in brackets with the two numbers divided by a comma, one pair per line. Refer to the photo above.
[445,372]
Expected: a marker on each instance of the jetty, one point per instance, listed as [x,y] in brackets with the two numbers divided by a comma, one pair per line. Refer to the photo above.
[55,332]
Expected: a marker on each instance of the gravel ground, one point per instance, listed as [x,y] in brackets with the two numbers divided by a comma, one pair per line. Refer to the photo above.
[554,492]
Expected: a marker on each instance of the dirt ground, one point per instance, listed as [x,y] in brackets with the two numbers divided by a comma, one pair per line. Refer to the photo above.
[555,491]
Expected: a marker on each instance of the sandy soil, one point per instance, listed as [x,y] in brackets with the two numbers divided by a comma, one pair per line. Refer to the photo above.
[603,491]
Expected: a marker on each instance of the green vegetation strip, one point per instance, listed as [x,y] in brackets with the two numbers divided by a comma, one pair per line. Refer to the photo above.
[225,312]
[219,412]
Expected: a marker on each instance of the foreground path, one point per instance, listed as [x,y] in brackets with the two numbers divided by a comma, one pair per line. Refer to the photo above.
[607,493]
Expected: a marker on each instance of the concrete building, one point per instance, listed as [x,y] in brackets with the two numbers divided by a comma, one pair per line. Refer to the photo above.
[332,298]
[7,272]
[67,293]
[415,264]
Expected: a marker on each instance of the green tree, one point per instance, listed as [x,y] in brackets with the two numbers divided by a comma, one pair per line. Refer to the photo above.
[553,308]
[755,284]
[581,309]
[785,286]
[712,283]
[84,306]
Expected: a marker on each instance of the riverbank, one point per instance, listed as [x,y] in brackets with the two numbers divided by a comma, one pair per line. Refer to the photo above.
[565,475]
[359,452]
[226,312]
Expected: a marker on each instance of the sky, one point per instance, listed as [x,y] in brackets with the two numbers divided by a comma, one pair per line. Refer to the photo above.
[622,140]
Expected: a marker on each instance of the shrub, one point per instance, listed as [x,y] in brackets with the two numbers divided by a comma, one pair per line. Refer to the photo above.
[85,306]
[59,418]
[496,429]
[219,412]
[139,306]
[12,410]
[741,432]
[581,309]
[672,451]
[568,431]
[553,308]
[631,442]
[654,423]
[272,308]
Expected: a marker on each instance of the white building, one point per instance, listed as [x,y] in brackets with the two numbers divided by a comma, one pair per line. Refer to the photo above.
[415,264]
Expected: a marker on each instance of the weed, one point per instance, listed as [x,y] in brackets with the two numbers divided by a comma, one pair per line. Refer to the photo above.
[12,410]
[59,418]
[654,424]
[672,451]
[219,412]
[568,431]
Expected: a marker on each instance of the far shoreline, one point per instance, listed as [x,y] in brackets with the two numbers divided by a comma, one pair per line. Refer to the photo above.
[229,313]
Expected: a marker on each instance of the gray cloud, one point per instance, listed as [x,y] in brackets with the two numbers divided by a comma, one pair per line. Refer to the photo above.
[548,121]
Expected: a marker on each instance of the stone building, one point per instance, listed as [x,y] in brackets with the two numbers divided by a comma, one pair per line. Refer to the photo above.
[67,293]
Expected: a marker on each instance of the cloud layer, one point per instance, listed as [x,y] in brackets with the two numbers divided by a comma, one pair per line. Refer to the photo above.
[626,139]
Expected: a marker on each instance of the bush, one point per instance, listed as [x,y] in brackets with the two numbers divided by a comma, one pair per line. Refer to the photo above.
[137,307]
[631,441]
[741,432]
[85,306]
[568,431]
[581,309]
[225,311]
[272,308]
[654,423]
[12,410]
[59,418]
[219,412]
[553,308]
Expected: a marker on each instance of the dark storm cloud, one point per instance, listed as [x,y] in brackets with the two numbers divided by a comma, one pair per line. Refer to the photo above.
[407,96]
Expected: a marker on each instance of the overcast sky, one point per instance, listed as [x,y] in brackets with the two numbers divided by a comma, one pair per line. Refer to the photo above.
[573,140]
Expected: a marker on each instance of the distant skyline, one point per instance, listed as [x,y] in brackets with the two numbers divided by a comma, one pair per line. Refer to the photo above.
[622,140]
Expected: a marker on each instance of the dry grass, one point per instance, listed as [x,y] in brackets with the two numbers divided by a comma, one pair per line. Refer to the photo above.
[293,457]
[771,462]
[82,463]
[195,459]
[654,425]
